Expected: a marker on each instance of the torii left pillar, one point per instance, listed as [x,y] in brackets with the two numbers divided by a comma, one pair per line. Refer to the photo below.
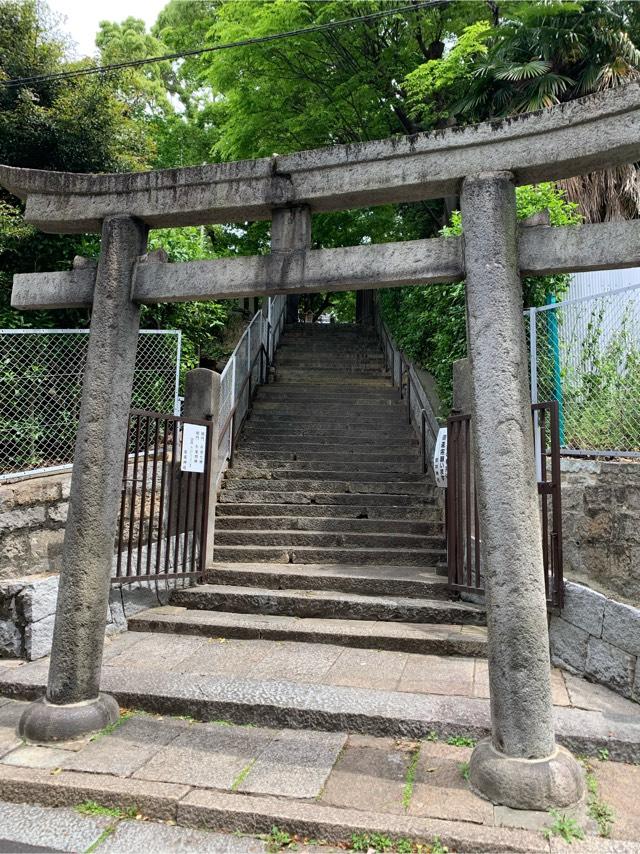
[73,705]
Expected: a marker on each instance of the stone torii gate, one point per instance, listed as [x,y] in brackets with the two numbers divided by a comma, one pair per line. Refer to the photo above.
[521,765]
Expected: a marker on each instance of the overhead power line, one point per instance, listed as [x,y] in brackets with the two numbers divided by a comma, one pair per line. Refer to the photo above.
[167,57]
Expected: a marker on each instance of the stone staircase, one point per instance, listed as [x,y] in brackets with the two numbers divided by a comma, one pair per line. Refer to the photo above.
[327,531]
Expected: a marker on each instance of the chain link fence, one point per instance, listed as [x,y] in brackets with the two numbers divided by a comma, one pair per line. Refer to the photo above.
[41,372]
[585,353]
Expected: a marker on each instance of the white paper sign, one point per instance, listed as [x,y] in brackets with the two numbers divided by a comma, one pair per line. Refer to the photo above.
[194,443]
[440,458]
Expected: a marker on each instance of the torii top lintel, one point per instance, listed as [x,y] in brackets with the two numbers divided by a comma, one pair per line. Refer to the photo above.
[594,132]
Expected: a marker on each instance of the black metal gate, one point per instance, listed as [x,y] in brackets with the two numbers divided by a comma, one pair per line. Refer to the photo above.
[463,526]
[164,506]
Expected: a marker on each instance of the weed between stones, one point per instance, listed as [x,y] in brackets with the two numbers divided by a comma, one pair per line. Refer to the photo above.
[597,809]
[461,741]
[106,833]
[381,843]
[242,775]
[464,770]
[564,826]
[410,779]
[109,728]
[94,808]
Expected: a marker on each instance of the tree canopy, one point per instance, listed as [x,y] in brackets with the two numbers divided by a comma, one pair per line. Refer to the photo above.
[428,68]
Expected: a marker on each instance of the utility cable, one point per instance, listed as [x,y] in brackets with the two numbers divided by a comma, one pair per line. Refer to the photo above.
[136,63]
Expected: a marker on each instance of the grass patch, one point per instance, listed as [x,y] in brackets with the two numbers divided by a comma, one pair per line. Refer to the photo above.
[461,741]
[564,826]
[464,770]
[109,728]
[381,843]
[242,775]
[94,808]
[410,779]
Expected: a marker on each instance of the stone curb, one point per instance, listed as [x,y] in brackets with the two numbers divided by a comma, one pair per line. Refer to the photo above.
[215,810]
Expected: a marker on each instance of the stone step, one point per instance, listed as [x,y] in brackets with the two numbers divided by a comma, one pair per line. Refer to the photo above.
[425,512]
[298,705]
[258,432]
[388,487]
[422,638]
[308,408]
[291,497]
[319,381]
[349,456]
[327,523]
[366,580]
[291,538]
[329,604]
[334,448]
[241,463]
[303,374]
[425,558]
[345,423]
[290,473]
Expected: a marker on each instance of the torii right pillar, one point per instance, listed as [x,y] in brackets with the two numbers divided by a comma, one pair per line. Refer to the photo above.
[521,765]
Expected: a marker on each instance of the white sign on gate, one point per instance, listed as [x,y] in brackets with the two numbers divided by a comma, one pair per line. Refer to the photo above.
[194,444]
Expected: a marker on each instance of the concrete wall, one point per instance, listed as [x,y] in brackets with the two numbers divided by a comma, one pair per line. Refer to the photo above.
[601,526]
[598,638]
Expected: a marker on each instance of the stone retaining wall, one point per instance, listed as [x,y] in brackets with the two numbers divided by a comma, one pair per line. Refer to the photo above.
[598,638]
[27,612]
[33,513]
[601,526]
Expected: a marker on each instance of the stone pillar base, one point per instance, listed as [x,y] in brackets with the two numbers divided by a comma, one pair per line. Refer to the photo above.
[526,784]
[45,721]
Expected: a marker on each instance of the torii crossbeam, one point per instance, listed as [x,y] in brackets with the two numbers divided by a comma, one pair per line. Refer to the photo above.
[521,765]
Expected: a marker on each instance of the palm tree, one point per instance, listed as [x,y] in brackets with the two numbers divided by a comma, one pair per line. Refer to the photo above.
[548,52]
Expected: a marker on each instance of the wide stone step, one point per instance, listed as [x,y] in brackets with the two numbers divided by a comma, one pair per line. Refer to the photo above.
[298,705]
[295,497]
[423,638]
[330,604]
[428,559]
[252,473]
[339,539]
[241,463]
[370,580]
[328,523]
[345,424]
[309,408]
[426,512]
[388,487]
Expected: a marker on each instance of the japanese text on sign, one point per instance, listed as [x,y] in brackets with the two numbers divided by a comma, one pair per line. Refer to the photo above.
[194,443]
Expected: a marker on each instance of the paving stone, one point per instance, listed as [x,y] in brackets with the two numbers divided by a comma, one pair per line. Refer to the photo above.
[535,819]
[440,790]
[37,600]
[296,661]
[378,669]
[589,695]
[128,747]
[296,764]
[622,626]
[224,657]
[9,740]
[610,665]
[157,651]
[559,695]
[211,755]
[618,786]
[149,837]
[37,756]
[54,830]
[431,674]
[369,775]
[592,846]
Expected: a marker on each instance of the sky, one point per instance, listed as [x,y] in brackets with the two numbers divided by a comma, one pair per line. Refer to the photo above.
[83,17]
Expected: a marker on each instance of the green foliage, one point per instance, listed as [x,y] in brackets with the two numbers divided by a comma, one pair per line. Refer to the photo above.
[94,808]
[429,323]
[564,826]
[597,809]
[278,840]
[461,741]
[464,770]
